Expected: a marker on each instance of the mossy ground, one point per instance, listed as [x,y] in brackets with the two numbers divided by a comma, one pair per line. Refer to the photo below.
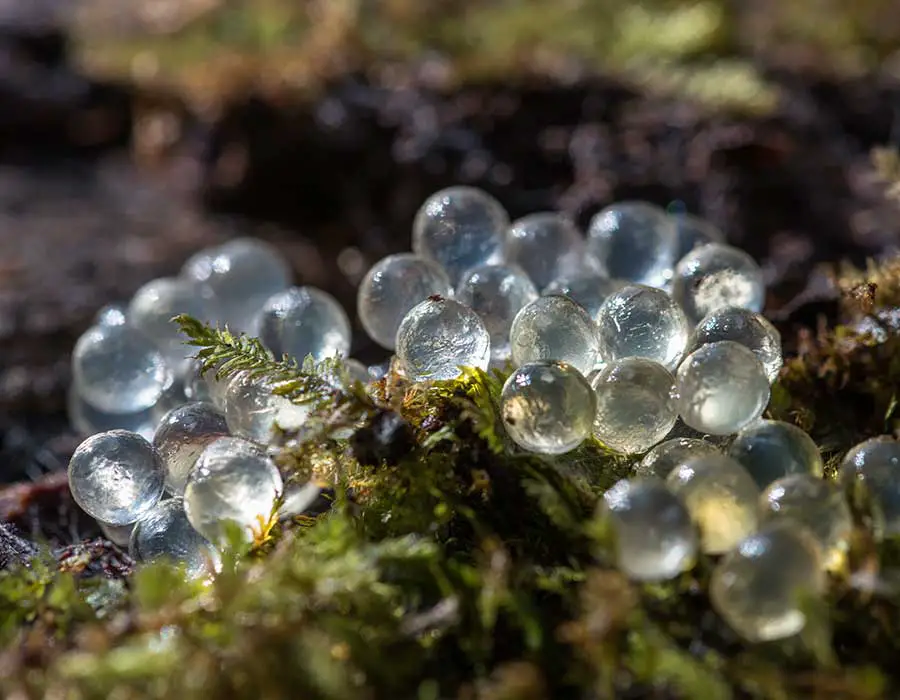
[451,565]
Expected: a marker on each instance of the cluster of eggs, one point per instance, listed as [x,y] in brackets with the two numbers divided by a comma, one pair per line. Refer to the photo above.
[173,453]
[645,333]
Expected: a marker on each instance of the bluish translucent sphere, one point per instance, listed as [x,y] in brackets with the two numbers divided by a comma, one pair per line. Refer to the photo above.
[772,449]
[116,476]
[252,411]
[547,407]
[241,275]
[668,455]
[117,369]
[655,538]
[87,420]
[496,293]
[555,328]
[722,387]
[588,287]
[635,241]
[875,465]
[111,315]
[746,327]
[714,276]
[635,405]
[692,232]
[155,304]
[302,321]
[438,336]
[232,481]
[546,245]
[182,434]
[119,535]
[391,287]
[459,228]
[640,321]
[164,534]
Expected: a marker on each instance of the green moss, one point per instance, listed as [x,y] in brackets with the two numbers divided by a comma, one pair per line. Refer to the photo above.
[459,567]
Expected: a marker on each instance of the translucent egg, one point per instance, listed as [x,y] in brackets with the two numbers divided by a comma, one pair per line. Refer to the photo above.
[875,464]
[758,587]
[635,405]
[459,228]
[241,275]
[252,411]
[635,241]
[771,449]
[116,476]
[640,321]
[155,304]
[715,276]
[233,481]
[357,371]
[588,288]
[87,420]
[815,504]
[110,315]
[746,327]
[547,407]
[301,321]
[721,497]
[692,232]
[666,456]
[119,535]
[721,387]
[496,293]
[197,384]
[391,287]
[555,328]
[438,336]
[655,538]
[545,245]
[182,434]
[165,534]
[117,369]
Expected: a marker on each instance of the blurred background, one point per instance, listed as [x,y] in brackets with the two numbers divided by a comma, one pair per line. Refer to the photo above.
[134,133]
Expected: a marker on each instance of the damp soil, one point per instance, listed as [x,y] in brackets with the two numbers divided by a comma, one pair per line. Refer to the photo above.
[89,211]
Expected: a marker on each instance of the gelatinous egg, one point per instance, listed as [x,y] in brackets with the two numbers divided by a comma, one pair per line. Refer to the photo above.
[815,504]
[111,315]
[155,304]
[589,288]
[758,587]
[240,275]
[117,369]
[182,434]
[496,293]
[875,465]
[252,411]
[635,404]
[721,387]
[555,328]
[391,287]
[715,276]
[116,476]
[668,455]
[164,533]
[545,245]
[119,535]
[232,481]
[720,496]
[746,327]
[692,232]
[655,538]
[635,241]
[301,321]
[459,228]
[771,449]
[640,321]
[438,336]
[547,407]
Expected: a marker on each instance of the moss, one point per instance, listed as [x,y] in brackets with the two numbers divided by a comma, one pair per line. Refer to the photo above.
[455,567]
